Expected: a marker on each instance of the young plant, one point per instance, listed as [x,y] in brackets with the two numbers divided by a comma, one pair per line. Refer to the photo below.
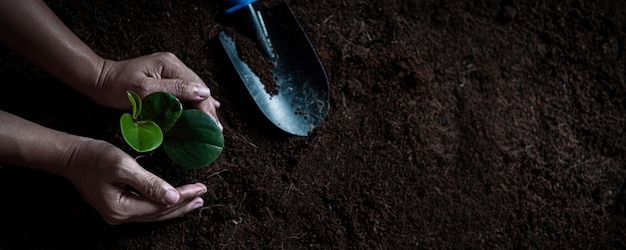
[190,138]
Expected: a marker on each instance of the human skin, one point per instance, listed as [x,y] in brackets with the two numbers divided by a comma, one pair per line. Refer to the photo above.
[108,178]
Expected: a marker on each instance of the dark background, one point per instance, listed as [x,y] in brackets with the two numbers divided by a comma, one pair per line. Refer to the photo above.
[453,124]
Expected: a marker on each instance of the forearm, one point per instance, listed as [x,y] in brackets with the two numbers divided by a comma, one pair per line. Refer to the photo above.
[33,30]
[27,144]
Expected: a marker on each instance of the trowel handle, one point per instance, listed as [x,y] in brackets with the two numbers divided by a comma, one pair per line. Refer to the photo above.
[234,5]
[257,25]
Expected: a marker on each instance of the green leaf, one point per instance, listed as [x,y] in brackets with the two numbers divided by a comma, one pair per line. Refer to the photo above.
[135,100]
[161,108]
[195,141]
[142,136]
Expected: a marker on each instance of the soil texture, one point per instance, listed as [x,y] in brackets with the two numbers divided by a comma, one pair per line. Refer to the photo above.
[452,124]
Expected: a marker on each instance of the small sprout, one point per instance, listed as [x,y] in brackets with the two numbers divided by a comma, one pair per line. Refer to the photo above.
[190,138]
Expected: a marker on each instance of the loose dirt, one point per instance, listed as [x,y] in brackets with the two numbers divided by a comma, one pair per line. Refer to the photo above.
[453,124]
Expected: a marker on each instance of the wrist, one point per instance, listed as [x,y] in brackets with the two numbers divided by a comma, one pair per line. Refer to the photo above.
[27,144]
[87,77]
[82,154]
[75,151]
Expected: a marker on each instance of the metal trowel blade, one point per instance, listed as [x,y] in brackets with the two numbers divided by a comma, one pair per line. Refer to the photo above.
[302,99]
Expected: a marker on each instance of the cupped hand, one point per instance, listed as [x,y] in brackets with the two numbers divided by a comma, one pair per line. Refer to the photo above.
[121,190]
[161,71]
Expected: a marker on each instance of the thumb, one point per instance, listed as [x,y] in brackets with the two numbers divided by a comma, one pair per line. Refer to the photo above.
[184,90]
[153,187]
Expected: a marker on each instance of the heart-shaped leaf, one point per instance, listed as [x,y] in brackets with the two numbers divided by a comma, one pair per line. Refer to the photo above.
[195,140]
[161,108]
[142,136]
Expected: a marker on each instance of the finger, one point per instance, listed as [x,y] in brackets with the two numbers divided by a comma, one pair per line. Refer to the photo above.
[182,89]
[150,186]
[172,212]
[185,192]
[191,190]
[197,93]
[210,106]
[173,68]
[144,209]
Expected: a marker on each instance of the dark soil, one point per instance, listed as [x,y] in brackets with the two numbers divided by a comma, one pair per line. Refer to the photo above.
[453,124]
[249,52]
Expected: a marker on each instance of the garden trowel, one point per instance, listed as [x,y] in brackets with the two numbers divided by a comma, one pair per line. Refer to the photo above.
[301,100]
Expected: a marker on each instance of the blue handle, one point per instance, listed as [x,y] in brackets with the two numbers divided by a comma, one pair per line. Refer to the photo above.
[237,4]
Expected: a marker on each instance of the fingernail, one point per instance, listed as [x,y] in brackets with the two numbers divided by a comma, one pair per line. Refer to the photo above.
[171,196]
[197,205]
[203,92]
[201,192]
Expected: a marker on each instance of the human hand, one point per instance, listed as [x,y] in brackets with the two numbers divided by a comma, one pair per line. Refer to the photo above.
[144,75]
[121,190]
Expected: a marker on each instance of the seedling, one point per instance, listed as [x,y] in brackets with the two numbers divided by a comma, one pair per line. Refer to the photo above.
[190,138]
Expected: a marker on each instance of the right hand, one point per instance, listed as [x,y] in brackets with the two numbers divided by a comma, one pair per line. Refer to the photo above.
[121,190]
